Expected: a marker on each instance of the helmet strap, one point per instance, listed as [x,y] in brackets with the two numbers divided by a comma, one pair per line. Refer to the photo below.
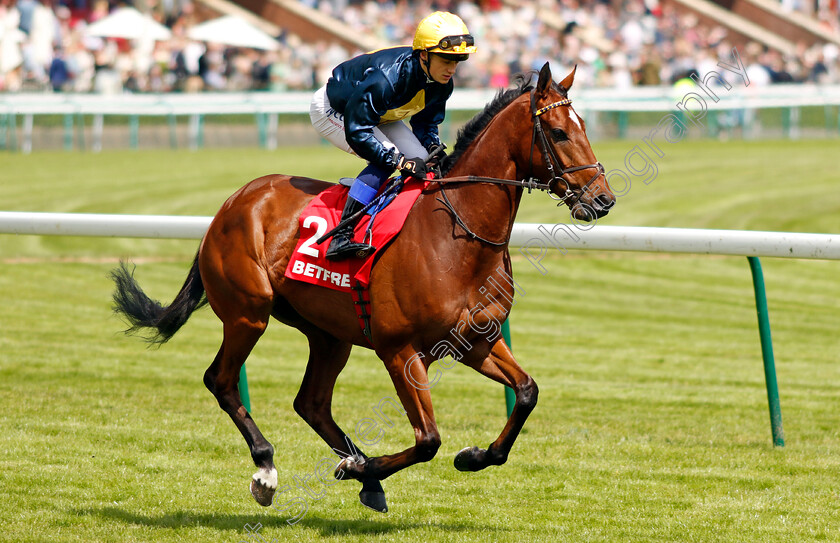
[428,65]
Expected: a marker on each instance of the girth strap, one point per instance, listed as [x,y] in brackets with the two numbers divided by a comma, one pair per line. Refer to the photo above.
[362,306]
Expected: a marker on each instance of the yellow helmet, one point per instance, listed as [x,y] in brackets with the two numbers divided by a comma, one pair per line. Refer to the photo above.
[444,33]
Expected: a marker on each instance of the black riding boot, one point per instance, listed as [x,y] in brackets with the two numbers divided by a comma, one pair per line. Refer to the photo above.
[342,246]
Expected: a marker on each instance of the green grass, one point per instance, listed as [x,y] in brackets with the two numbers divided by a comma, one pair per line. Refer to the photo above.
[652,423]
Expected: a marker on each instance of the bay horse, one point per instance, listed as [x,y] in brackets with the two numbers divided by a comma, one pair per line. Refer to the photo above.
[424,289]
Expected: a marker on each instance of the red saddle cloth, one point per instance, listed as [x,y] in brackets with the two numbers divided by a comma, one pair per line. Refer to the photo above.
[308,263]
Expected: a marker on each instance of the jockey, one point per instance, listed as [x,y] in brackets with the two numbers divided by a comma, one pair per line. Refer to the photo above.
[362,107]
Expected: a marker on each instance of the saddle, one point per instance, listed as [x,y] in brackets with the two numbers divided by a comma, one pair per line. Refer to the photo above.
[379,224]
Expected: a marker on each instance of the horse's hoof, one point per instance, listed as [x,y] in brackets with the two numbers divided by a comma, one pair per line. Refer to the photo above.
[263,486]
[374,500]
[350,467]
[470,459]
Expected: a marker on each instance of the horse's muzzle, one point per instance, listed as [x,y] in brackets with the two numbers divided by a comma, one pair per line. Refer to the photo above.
[602,204]
[594,208]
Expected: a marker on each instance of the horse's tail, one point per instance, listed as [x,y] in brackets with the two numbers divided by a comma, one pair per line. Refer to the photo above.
[143,312]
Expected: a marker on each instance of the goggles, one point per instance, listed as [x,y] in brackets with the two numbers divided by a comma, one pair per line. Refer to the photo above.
[453,43]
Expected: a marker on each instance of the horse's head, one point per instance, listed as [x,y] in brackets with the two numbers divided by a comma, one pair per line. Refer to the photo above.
[558,151]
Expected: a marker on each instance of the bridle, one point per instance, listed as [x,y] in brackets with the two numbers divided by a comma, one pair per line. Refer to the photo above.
[553,160]
[553,163]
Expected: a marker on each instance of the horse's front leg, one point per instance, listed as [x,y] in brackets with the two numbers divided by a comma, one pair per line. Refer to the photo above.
[500,366]
[408,370]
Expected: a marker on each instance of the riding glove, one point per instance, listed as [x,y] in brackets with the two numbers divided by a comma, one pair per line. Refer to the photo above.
[411,167]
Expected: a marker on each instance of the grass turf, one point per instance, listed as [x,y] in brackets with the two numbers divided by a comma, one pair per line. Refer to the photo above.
[652,423]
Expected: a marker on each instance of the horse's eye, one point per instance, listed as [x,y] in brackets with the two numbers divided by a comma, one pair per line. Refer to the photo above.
[558,134]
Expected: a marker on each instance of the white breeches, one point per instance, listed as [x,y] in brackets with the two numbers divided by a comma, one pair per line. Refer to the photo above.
[330,124]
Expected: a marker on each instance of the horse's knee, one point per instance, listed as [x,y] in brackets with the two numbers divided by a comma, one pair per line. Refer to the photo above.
[427,446]
[527,394]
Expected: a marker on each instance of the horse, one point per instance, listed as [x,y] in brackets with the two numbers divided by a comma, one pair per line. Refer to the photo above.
[425,289]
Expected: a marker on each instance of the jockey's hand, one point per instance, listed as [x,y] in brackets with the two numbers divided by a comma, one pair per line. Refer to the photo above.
[437,152]
[411,167]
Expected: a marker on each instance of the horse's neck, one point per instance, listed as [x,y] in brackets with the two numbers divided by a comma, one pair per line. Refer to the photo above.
[490,207]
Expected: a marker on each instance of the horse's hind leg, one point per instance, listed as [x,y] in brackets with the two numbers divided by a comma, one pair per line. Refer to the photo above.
[241,296]
[222,379]
[501,367]
[327,358]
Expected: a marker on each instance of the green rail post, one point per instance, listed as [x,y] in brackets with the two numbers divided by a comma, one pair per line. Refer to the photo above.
[243,388]
[262,132]
[172,121]
[622,121]
[787,122]
[12,143]
[200,131]
[767,352]
[133,131]
[68,131]
[80,131]
[4,130]
[510,396]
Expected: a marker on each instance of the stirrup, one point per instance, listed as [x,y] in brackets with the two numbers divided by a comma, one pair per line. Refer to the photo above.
[342,247]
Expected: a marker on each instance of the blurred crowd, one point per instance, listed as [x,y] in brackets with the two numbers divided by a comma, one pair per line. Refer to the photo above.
[614,43]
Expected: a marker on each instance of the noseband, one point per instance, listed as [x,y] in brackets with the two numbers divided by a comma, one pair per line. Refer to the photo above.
[552,160]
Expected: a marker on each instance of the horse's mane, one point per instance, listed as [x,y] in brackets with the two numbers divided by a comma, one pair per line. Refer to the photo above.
[474,127]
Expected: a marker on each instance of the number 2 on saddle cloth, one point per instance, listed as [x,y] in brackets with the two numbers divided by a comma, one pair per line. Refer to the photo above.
[378,226]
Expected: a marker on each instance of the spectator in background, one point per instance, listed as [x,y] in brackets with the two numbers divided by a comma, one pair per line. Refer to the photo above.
[757,72]
[11,57]
[59,73]
[43,36]
[616,43]
[156,80]
[261,70]
[651,67]
[26,8]
[499,74]
[80,62]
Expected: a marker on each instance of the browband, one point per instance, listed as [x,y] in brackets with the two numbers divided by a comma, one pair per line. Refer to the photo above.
[564,102]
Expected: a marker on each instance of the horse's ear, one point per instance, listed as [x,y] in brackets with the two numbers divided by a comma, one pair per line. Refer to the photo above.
[567,83]
[544,82]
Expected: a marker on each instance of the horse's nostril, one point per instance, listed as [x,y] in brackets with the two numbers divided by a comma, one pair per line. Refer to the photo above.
[604,201]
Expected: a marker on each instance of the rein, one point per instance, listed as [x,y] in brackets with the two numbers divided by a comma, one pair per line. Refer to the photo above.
[529,182]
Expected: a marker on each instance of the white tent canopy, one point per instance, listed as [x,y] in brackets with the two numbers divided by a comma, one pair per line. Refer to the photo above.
[233,31]
[130,24]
